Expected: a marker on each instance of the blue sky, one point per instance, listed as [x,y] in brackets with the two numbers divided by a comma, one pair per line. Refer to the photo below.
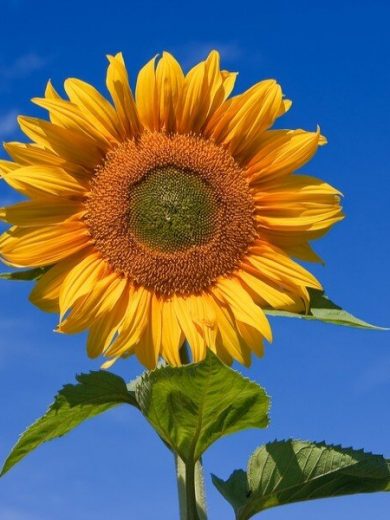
[327,383]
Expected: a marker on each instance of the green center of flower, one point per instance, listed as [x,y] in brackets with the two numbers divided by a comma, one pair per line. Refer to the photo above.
[172,209]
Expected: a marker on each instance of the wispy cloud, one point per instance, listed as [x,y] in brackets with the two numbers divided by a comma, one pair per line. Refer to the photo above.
[19,348]
[22,66]
[8,123]
[13,3]
[375,375]
[12,513]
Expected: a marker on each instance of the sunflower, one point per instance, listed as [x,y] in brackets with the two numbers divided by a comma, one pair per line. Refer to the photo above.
[168,216]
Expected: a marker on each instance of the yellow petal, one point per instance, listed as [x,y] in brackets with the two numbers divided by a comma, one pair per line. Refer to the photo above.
[296,205]
[46,292]
[301,250]
[156,306]
[68,115]
[146,96]
[274,296]
[242,306]
[118,85]
[227,338]
[169,90]
[276,265]
[32,154]
[81,280]
[148,348]
[228,82]
[293,209]
[42,246]
[194,337]
[97,110]
[73,146]
[103,330]
[108,364]
[252,337]
[205,89]
[133,326]
[90,307]
[44,181]
[280,152]
[297,188]
[6,167]
[259,113]
[171,335]
[223,354]
[240,121]
[309,222]
[287,103]
[51,93]
[42,213]
[194,106]
[204,318]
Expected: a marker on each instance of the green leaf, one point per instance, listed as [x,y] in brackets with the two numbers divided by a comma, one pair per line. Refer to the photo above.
[27,275]
[235,489]
[323,309]
[290,471]
[192,406]
[95,393]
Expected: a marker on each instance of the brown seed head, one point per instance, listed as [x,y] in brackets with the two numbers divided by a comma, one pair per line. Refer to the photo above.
[171,212]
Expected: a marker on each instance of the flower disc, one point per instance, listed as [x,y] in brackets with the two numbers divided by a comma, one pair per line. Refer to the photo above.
[172,209]
[171,212]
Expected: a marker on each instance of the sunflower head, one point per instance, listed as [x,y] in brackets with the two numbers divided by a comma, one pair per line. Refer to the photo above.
[167,217]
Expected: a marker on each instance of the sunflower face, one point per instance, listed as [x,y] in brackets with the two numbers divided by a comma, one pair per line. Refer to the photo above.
[171,213]
[169,217]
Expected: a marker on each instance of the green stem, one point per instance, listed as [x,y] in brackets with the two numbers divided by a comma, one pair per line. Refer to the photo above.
[190,482]
[191,508]
[181,486]
[190,488]
[200,491]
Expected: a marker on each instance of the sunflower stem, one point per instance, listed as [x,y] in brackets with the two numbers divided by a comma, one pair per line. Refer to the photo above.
[200,491]
[190,486]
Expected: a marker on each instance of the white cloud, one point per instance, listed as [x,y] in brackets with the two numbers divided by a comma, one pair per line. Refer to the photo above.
[8,123]
[22,66]
[12,513]
[375,375]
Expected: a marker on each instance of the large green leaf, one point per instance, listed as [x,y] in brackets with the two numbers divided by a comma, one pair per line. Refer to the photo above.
[95,393]
[283,472]
[194,405]
[27,275]
[323,309]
